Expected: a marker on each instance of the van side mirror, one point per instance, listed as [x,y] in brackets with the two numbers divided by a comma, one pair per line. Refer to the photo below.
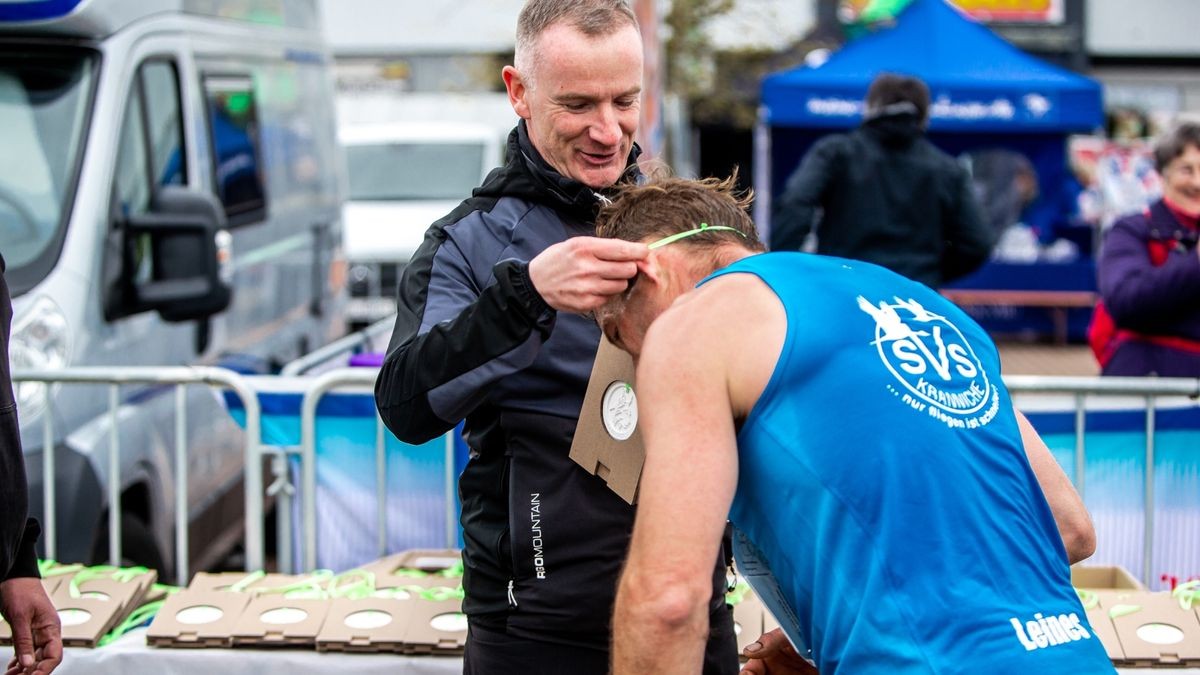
[178,254]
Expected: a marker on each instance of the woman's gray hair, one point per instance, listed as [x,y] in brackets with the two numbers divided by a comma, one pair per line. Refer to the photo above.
[1173,144]
[593,18]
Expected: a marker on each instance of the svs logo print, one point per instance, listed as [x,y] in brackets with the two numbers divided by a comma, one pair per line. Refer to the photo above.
[939,372]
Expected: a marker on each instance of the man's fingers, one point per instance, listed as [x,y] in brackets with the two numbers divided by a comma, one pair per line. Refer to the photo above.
[22,636]
[618,250]
[606,269]
[50,648]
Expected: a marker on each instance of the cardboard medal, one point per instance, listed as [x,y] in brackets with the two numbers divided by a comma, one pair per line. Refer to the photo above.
[436,627]
[1159,632]
[1112,577]
[273,620]
[197,618]
[420,568]
[365,625]
[229,581]
[608,441]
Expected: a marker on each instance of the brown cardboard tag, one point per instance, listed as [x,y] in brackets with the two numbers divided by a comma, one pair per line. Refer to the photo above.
[224,581]
[197,618]
[87,618]
[1103,629]
[1159,632]
[608,441]
[414,568]
[365,625]
[436,627]
[277,621]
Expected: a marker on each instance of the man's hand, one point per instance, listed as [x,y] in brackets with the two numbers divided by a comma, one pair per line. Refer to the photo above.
[37,634]
[582,273]
[773,655]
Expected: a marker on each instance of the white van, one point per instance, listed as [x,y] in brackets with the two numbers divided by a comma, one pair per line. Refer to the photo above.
[170,193]
[403,176]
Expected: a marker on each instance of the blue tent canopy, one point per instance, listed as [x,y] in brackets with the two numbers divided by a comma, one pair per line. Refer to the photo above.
[978,82]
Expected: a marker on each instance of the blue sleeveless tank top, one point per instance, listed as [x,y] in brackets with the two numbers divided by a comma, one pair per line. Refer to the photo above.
[883,481]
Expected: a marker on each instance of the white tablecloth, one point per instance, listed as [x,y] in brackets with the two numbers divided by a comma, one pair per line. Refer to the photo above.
[131,656]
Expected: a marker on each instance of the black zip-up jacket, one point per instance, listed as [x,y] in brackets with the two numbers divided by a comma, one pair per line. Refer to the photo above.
[18,532]
[890,197]
[544,539]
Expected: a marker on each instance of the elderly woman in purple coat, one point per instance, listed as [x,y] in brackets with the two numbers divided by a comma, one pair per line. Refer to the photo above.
[1149,273]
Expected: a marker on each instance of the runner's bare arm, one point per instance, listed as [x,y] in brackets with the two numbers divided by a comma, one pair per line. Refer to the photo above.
[1074,523]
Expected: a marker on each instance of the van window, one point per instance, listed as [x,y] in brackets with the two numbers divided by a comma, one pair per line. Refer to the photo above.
[413,170]
[234,134]
[167,156]
[45,103]
[151,152]
[133,171]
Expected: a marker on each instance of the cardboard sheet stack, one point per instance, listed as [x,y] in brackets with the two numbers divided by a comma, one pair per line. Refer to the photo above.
[407,603]
[92,601]
[1139,628]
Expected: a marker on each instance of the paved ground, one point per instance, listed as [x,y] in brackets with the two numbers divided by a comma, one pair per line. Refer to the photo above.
[1019,358]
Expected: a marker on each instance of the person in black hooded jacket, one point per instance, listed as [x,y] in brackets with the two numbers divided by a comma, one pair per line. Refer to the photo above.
[491,327]
[888,195]
[37,641]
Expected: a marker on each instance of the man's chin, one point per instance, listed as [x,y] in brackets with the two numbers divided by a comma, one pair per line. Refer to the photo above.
[598,177]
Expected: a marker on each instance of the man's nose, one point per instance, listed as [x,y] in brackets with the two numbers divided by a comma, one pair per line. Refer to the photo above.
[606,129]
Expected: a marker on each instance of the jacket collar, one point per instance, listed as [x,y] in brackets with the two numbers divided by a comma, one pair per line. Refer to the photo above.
[529,176]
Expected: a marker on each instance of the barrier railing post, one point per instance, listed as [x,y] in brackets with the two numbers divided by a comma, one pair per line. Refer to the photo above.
[1148,508]
[451,529]
[181,487]
[114,482]
[380,486]
[1080,444]
[49,505]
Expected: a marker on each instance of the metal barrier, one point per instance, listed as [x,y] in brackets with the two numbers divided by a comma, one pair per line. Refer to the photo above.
[1150,389]
[350,344]
[180,377]
[357,378]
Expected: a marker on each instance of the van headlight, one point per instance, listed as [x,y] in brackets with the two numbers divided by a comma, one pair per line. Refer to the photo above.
[40,341]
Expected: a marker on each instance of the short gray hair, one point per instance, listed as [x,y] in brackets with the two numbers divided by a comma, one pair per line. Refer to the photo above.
[1174,143]
[593,18]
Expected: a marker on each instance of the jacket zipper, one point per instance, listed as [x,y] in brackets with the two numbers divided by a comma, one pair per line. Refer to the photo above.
[512,599]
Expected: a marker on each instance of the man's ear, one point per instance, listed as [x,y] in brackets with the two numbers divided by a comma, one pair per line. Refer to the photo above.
[517,91]
[650,268]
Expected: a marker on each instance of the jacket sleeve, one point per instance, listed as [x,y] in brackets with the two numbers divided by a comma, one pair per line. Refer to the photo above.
[792,217]
[18,533]
[1139,295]
[967,240]
[453,340]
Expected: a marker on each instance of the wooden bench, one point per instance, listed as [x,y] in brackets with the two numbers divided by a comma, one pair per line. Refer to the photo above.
[1056,301]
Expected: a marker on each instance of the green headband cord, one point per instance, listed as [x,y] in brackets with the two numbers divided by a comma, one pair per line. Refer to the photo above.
[704,227]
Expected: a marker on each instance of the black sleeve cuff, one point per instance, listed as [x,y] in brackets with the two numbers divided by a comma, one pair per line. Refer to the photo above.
[25,563]
[517,274]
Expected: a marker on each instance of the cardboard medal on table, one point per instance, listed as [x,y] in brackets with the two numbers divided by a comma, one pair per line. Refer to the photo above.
[274,620]
[87,617]
[365,625]
[420,567]
[608,441]
[225,581]
[197,618]
[1103,630]
[1145,641]
[436,627]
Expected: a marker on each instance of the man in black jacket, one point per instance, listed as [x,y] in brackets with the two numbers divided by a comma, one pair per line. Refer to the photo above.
[889,196]
[37,640]
[490,328]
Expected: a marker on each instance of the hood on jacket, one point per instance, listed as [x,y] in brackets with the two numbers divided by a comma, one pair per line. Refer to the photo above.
[895,130]
[529,176]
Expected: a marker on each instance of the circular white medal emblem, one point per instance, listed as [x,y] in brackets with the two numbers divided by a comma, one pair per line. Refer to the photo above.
[618,410]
